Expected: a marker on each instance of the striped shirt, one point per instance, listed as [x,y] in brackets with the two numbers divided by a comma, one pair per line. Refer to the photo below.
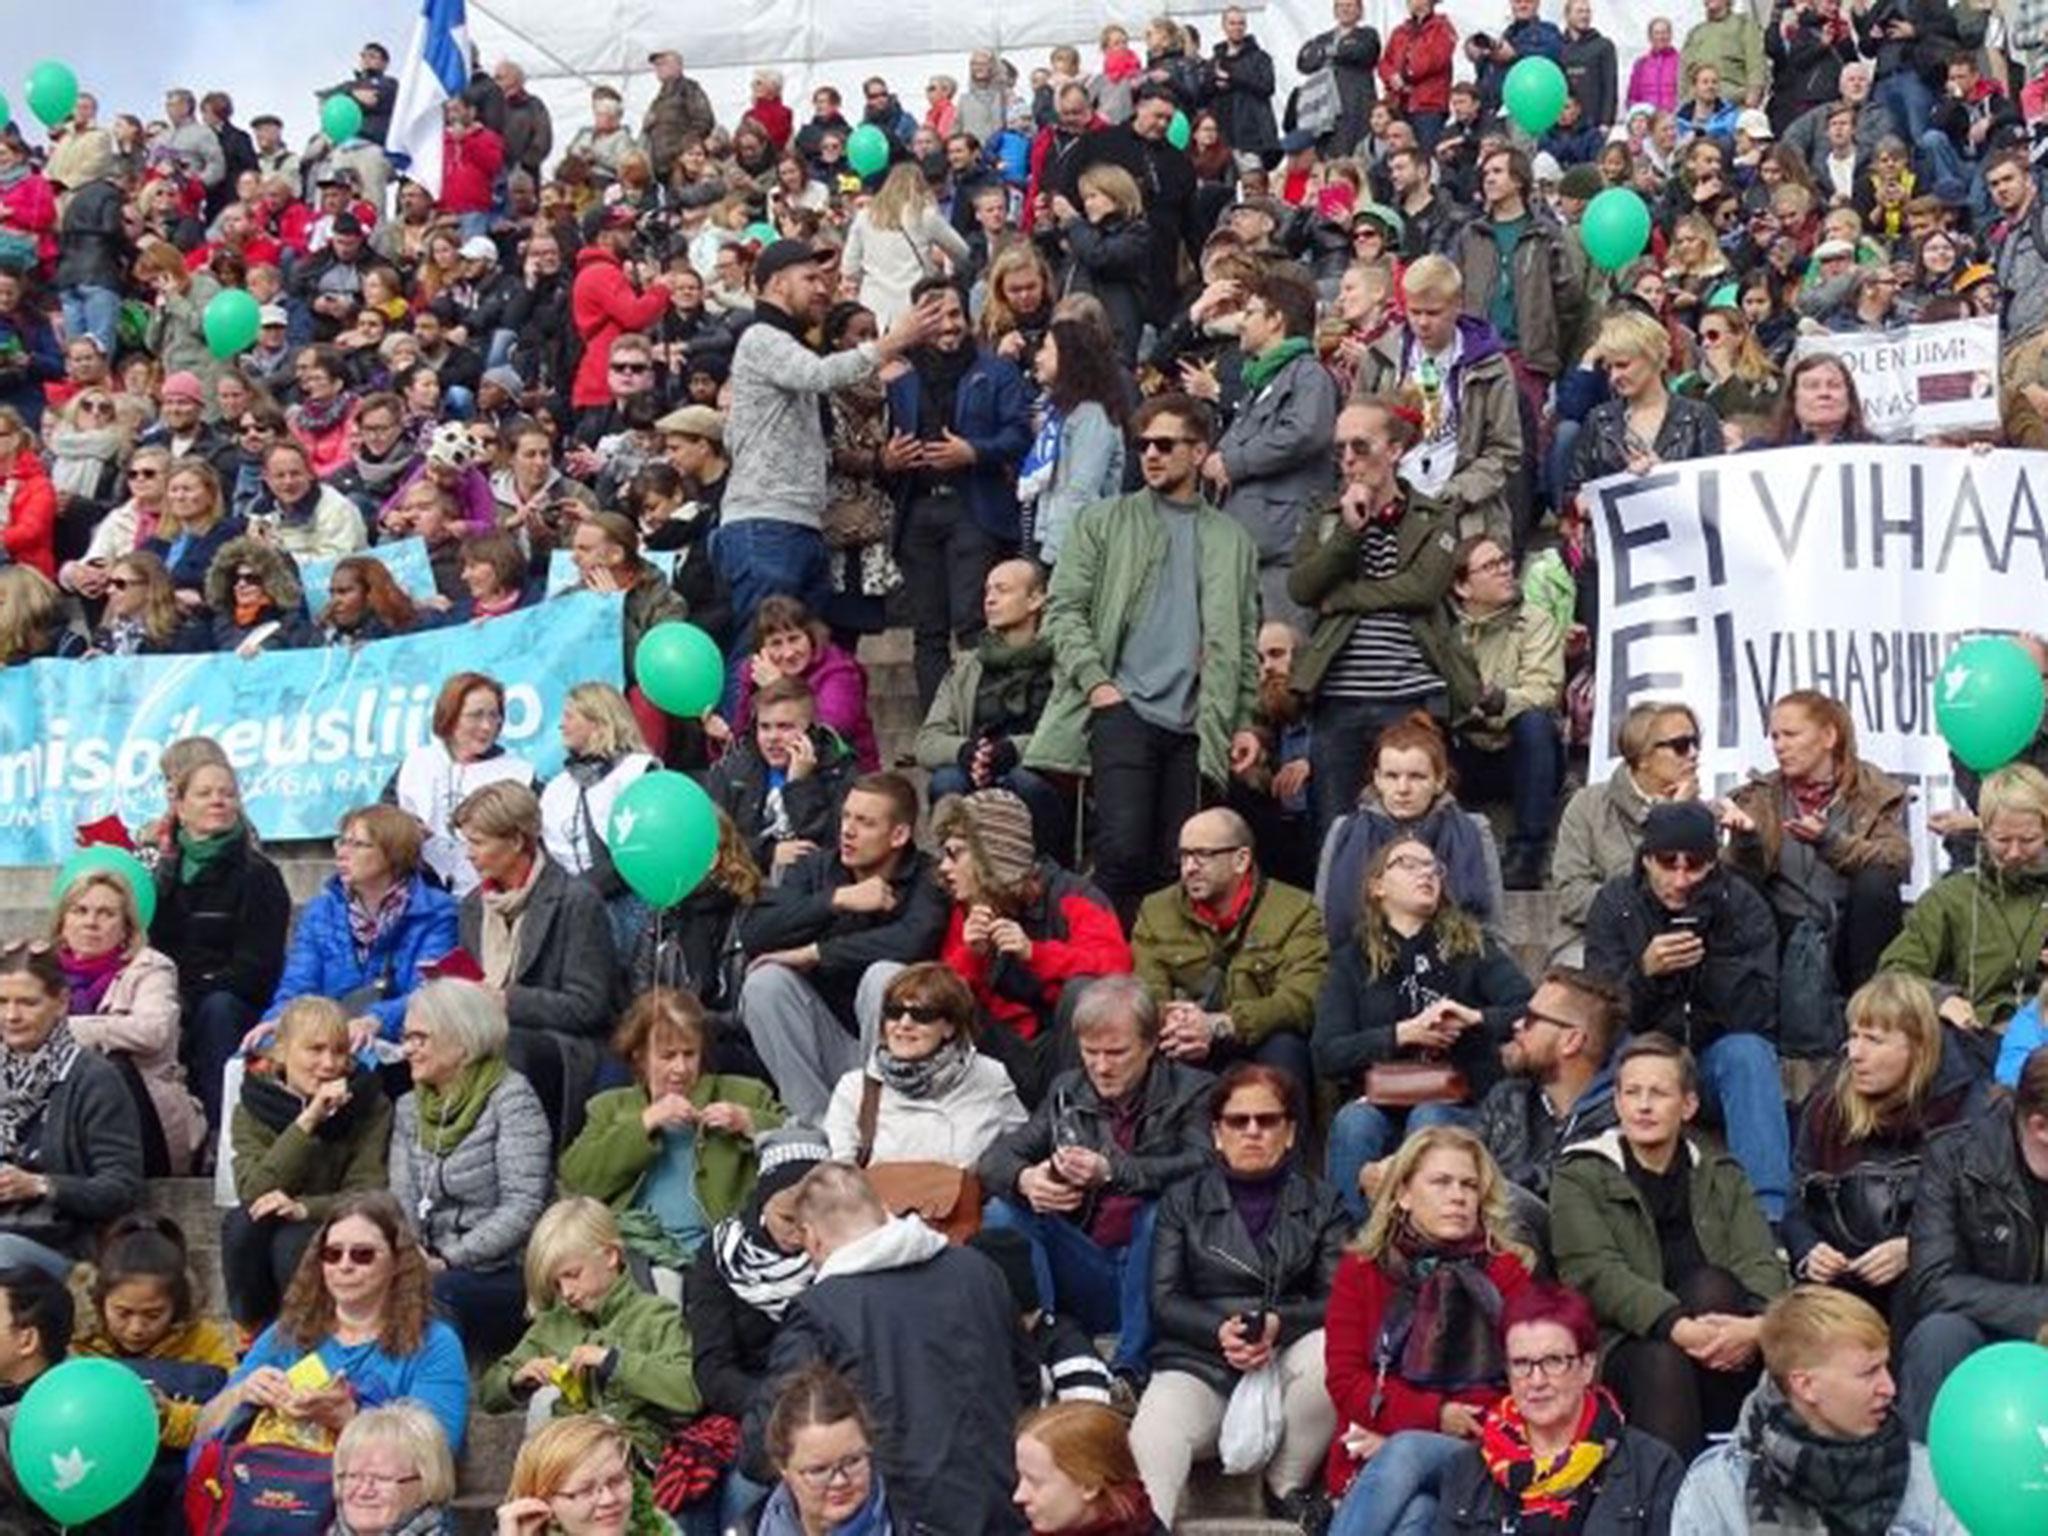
[1380,659]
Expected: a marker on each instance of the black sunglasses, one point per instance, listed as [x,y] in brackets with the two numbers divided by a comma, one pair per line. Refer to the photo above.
[1161,444]
[917,1013]
[1684,746]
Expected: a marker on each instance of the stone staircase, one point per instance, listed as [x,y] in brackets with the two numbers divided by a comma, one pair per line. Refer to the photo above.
[1215,1505]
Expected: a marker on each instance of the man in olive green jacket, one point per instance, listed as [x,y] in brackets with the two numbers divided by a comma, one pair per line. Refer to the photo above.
[1154,624]
[1234,959]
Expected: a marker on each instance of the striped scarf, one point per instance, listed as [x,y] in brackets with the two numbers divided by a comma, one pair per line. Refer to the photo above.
[1552,1496]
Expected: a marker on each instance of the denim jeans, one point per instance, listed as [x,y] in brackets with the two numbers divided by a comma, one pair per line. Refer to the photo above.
[214,1026]
[1909,100]
[1362,1133]
[93,310]
[1102,1289]
[762,556]
[1739,1079]
[1527,773]
[1396,1493]
[1340,748]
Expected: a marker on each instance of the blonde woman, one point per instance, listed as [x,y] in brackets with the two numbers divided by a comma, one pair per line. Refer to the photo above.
[1437,1250]
[141,617]
[32,625]
[899,238]
[1733,373]
[125,1004]
[393,1474]
[605,753]
[1644,425]
[1018,310]
[575,1478]
[195,526]
[1108,249]
[125,529]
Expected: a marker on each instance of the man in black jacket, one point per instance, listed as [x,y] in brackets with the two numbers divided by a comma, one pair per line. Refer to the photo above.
[92,248]
[929,1334]
[823,943]
[1977,1268]
[371,89]
[1697,950]
[782,786]
[1082,1179]
[1351,52]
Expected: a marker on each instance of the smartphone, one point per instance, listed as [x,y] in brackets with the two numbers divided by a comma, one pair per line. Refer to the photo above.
[1252,1324]
[1686,922]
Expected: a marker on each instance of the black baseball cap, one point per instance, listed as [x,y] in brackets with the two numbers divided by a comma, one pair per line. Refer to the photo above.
[783,255]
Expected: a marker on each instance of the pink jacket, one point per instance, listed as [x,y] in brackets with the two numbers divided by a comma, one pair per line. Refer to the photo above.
[31,207]
[841,688]
[138,1018]
[1654,79]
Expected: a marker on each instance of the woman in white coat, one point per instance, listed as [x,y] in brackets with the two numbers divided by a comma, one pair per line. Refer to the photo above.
[605,753]
[936,1098]
[895,241]
[461,757]
[124,1002]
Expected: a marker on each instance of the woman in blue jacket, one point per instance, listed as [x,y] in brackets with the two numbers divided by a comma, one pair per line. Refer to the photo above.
[363,939]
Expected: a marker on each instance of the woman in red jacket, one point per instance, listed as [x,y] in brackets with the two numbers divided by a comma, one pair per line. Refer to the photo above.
[1416,69]
[1412,1341]
[28,503]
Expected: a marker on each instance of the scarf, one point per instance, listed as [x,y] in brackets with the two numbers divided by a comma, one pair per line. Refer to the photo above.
[1810,797]
[1034,475]
[756,1271]
[366,925]
[249,613]
[274,1105]
[1015,683]
[1450,834]
[779,1516]
[1257,372]
[197,855]
[1443,1334]
[1550,1498]
[1224,919]
[1256,1198]
[1802,1482]
[317,416]
[27,1079]
[79,457]
[504,911]
[928,1077]
[382,475]
[299,514]
[451,1113]
[124,637]
[90,978]
[427,1520]
[13,175]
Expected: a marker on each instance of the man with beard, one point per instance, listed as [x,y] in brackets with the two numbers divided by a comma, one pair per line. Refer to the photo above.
[885,112]
[961,423]
[1055,146]
[1272,794]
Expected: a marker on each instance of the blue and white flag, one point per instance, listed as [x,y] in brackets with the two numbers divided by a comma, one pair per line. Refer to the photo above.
[434,71]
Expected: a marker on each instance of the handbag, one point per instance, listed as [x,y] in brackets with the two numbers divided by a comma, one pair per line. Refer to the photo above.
[1405,1084]
[1317,106]
[945,1198]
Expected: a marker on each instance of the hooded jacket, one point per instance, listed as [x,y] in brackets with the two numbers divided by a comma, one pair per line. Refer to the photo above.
[1605,1240]
[1977,933]
[798,910]
[1239,90]
[1526,1139]
[283,625]
[1324,577]
[138,1018]
[1976,1241]
[839,689]
[1734,990]
[28,520]
[1550,286]
[1519,649]
[1866,829]
[1597,840]
[324,960]
[1075,936]
[604,306]
[738,785]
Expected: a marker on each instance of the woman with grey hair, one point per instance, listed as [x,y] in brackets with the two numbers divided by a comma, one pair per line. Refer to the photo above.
[393,1474]
[471,1159]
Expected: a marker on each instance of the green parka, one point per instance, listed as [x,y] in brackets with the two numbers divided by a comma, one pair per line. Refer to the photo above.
[1978,933]
[612,1156]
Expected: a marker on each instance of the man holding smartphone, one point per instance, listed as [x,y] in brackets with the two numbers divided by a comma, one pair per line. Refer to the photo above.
[1697,950]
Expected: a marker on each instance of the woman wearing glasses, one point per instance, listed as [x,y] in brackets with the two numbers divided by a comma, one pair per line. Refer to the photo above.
[124,530]
[822,1445]
[257,603]
[1602,826]
[575,1478]
[257,427]
[1412,1016]
[393,1474]
[360,1302]
[1242,1262]
[87,442]
[141,617]
[1554,1454]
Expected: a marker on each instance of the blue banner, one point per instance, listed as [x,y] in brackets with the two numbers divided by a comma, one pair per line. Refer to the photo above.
[564,577]
[405,559]
[311,733]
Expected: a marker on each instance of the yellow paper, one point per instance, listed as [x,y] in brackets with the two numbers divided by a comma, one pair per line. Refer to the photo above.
[309,1375]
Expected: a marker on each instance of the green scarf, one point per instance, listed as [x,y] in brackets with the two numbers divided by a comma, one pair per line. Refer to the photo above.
[1016,681]
[196,855]
[1258,371]
[450,1114]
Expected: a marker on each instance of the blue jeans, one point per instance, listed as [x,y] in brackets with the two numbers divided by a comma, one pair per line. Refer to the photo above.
[1909,100]
[1361,1133]
[761,556]
[91,310]
[1739,1079]
[1102,1289]
[1396,1493]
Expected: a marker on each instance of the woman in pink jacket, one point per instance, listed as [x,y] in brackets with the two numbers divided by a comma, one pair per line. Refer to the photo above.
[1654,78]
[28,212]
[788,642]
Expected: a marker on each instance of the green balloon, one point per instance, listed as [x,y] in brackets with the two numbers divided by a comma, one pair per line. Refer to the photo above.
[867,149]
[1180,130]
[762,234]
[663,836]
[118,861]
[340,118]
[1985,1440]
[1534,94]
[231,322]
[52,92]
[1615,228]
[84,1437]
[679,667]
[6,112]
[1987,704]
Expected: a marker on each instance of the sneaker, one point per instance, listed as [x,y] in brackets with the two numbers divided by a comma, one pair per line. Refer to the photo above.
[1307,1509]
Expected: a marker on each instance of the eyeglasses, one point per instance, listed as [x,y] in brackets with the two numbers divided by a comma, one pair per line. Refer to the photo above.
[1204,855]
[1684,746]
[361,1255]
[97,407]
[1490,567]
[844,1470]
[1682,863]
[917,1013]
[376,1482]
[1347,446]
[121,583]
[247,427]
[1245,1120]
[632,367]
[1711,335]
[145,474]
[1533,1016]
[1415,864]
[619,1486]
[415,1040]
[1526,1366]
[1162,444]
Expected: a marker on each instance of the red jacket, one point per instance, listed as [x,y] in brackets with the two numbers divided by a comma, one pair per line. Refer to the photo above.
[295,223]
[257,250]
[1351,1329]
[469,169]
[30,531]
[1073,933]
[776,120]
[1416,66]
[604,307]
[1041,148]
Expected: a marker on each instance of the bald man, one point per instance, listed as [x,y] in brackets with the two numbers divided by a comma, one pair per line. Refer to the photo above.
[1233,957]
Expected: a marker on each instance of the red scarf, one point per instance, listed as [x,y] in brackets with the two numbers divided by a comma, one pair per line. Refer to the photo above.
[1810,797]
[1549,1493]
[1227,916]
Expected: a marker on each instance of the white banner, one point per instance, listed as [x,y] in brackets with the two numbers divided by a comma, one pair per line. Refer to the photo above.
[1726,583]
[1922,380]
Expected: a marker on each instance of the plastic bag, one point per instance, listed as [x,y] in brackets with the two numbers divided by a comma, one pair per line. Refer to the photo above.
[1251,1421]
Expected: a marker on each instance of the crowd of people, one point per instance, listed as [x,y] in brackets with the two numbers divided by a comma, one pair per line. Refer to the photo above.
[1016,1112]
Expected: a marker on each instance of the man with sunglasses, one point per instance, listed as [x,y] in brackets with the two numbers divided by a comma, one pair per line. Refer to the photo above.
[1697,950]
[605,303]
[1154,621]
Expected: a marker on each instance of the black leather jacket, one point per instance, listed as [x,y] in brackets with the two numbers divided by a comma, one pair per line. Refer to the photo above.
[1976,1243]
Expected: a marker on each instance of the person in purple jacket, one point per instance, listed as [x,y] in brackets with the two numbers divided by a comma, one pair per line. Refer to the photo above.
[789,642]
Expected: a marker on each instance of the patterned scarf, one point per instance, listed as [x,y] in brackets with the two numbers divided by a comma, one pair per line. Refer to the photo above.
[1552,1496]
[27,1079]
[928,1077]
[366,924]
[757,1271]
[1444,1332]
[1801,1482]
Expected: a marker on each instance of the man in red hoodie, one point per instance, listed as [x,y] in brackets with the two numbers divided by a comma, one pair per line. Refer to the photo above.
[471,157]
[604,303]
